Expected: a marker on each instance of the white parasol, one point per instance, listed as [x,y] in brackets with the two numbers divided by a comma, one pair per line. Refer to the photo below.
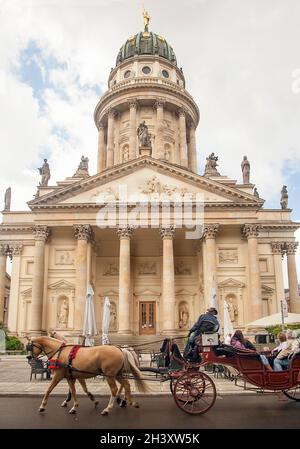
[89,326]
[228,327]
[105,321]
[213,300]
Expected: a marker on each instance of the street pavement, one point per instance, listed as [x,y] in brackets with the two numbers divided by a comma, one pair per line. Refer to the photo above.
[229,412]
[15,381]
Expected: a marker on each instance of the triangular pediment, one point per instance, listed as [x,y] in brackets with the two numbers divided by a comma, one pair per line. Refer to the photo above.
[61,285]
[144,177]
[230,282]
[146,292]
[184,291]
[267,289]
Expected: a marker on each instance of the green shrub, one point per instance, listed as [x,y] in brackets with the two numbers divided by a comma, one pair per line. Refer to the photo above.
[274,330]
[13,344]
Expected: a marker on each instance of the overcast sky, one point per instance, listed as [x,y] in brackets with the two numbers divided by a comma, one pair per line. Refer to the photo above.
[240,58]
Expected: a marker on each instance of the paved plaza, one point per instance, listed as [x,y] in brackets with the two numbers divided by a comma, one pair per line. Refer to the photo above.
[15,380]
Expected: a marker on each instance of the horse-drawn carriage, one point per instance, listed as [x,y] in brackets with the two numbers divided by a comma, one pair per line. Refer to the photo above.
[194,391]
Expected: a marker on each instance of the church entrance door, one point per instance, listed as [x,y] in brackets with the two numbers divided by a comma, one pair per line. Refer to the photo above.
[147,318]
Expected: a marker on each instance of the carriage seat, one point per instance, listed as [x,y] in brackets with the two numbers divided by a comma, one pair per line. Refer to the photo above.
[224,350]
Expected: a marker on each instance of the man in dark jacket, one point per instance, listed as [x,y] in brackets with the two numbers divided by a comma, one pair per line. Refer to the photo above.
[207,322]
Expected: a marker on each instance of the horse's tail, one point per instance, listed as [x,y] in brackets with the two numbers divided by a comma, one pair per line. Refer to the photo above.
[131,365]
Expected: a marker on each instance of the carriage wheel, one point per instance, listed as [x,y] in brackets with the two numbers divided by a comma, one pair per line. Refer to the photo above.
[194,393]
[172,385]
[293,393]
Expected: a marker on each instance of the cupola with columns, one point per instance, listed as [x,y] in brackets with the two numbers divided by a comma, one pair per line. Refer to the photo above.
[146,86]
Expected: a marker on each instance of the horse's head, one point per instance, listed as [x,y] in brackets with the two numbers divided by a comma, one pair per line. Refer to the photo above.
[34,348]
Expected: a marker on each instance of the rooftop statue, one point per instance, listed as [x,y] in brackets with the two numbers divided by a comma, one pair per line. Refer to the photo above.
[7,199]
[211,166]
[255,193]
[284,198]
[45,173]
[146,20]
[246,170]
[83,167]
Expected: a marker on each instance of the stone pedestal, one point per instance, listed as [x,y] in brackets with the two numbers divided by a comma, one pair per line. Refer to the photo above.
[125,326]
[168,281]
[145,151]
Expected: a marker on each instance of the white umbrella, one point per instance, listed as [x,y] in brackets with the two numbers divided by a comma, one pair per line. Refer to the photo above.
[213,300]
[105,321]
[89,326]
[228,327]
[274,320]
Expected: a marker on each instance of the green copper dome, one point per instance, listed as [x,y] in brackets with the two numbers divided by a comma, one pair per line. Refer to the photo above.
[146,43]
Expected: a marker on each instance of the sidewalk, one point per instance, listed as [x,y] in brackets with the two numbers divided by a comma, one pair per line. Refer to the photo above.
[15,375]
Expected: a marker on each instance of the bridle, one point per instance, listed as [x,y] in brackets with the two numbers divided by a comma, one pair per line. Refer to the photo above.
[30,347]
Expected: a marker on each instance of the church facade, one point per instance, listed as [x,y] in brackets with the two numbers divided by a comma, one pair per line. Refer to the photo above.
[147,231]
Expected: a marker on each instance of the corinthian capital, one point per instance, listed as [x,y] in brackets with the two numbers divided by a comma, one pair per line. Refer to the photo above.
[41,232]
[159,103]
[182,112]
[277,248]
[4,249]
[112,112]
[125,232]
[132,103]
[83,232]
[210,231]
[250,230]
[291,247]
[16,249]
[167,232]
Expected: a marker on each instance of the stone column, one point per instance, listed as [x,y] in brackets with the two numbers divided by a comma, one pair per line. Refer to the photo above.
[251,231]
[192,148]
[159,150]
[83,234]
[291,249]
[168,281]
[124,280]
[182,138]
[3,259]
[210,232]
[41,234]
[110,138]
[13,306]
[132,129]
[101,149]
[278,251]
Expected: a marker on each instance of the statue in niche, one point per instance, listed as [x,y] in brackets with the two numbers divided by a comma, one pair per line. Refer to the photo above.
[167,154]
[211,165]
[232,309]
[246,170]
[183,316]
[63,314]
[144,135]
[45,173]
[113,317]
[284,198]
[7,199]
[83,167]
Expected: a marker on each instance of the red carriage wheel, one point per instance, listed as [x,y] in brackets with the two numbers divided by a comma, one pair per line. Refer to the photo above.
[194,393]
[293,393]
[172,385]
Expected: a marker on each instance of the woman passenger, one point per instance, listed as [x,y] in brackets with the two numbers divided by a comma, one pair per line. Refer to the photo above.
[238,341]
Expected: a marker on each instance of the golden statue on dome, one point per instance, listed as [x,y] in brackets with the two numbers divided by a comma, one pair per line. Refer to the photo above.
[146,20]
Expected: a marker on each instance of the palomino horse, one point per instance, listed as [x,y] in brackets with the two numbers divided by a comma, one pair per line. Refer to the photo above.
[109,361]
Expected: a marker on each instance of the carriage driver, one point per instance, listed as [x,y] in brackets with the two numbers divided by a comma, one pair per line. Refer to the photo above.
[206,322]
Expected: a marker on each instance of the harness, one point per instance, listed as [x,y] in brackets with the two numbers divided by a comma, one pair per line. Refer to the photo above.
[71,357]
[57,363]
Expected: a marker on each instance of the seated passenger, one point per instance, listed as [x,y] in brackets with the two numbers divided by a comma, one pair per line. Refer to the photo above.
[238,341]
[288,345]
[206,322]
